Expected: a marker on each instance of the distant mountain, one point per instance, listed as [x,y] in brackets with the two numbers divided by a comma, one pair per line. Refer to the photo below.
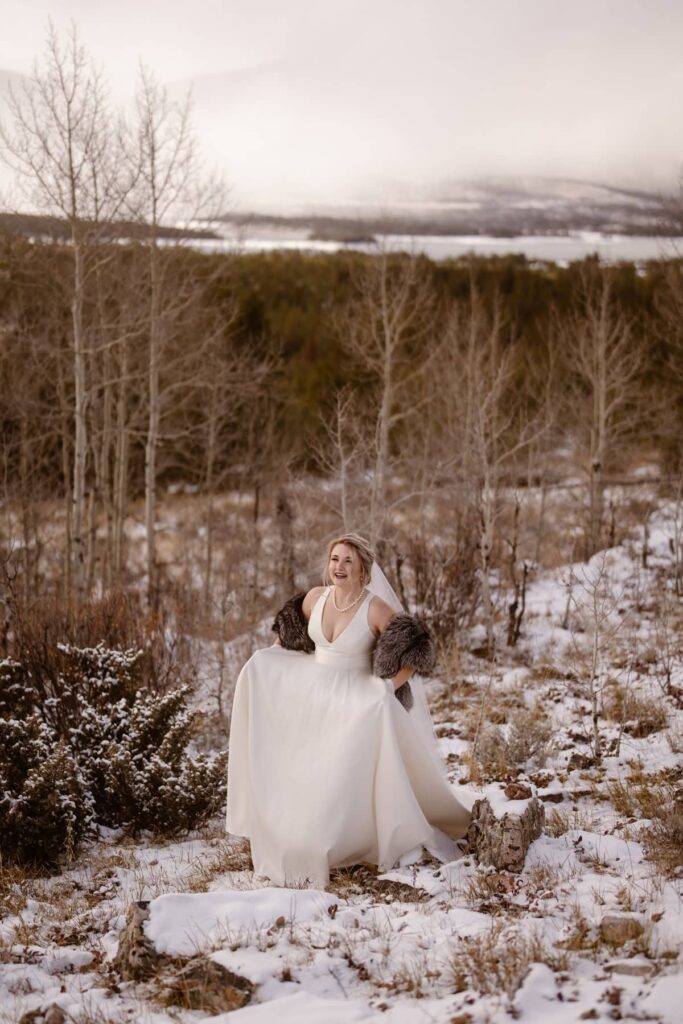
[503,207]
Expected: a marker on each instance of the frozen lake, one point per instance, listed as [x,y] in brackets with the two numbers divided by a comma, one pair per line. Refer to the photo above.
[560,249]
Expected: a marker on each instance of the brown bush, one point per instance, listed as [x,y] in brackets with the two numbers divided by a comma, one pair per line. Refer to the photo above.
[118,620]
[641,715]
[664,839]
[438,577]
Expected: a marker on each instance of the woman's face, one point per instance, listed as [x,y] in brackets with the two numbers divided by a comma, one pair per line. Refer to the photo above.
[345,567]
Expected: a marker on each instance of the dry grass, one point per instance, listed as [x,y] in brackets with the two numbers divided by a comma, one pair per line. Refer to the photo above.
[659,799]
[640,795]
[362,880]
[496,962]
[635,798]
[13,882]
[491,892]
[641,716]
[558,820]
[229,856]
[664,839]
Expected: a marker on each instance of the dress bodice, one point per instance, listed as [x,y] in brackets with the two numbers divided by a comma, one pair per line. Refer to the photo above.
[353,645]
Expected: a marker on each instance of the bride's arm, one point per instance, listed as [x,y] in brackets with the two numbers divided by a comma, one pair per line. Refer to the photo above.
[310,599]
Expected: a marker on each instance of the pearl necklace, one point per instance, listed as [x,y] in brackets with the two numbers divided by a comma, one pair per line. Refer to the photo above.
[349,606]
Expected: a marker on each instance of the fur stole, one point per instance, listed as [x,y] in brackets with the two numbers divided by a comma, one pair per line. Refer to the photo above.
[405,643]
[291,626]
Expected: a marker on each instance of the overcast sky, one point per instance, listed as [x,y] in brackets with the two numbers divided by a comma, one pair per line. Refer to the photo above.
[342,98]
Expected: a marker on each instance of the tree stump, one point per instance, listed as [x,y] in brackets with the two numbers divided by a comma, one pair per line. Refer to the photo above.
[503,842]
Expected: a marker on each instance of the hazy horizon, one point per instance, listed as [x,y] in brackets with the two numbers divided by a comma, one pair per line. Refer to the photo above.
[319,101]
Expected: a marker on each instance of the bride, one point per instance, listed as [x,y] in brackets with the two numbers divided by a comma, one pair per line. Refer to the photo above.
[327,768]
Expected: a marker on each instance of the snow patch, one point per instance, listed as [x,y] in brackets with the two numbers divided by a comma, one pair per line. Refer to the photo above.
[302,1008]
[181,924]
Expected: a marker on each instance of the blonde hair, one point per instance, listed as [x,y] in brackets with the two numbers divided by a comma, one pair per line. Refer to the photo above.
[363,550]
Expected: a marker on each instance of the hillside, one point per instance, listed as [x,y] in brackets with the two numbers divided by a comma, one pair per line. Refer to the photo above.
[495,206]
[590,929]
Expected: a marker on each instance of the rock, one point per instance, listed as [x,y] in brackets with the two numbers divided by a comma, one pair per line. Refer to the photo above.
[578,761]
[206,985]
[616,929]
[503,842]
[517,791]
[53,1014]
[136,957]
[636,968]
[553,791]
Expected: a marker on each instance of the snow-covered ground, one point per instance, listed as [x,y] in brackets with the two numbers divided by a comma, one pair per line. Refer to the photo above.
[428,942]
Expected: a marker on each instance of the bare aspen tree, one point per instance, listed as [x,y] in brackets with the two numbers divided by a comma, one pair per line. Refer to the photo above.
[341,452]
[59,145]
[604,362]
[670,309]
[597,624]
[484,424]
[226,381]
[26,359]
[163,157]
[386,329]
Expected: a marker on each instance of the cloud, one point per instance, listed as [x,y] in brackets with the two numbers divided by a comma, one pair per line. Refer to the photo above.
[324,97]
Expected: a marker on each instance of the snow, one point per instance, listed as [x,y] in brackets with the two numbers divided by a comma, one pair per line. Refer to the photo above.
[608,850]
[181,924]
[302,1008]
[664,999]
[258,966]
[351,954]
[537,998]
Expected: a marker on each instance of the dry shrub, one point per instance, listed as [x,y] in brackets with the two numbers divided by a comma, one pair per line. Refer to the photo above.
[497,962]
[658,799]
[528,743]
[118,620]
[664,839]
[488,754]
[639,797]
[438,577]
[529,737]
[12,888]
[641,716]
[362,880]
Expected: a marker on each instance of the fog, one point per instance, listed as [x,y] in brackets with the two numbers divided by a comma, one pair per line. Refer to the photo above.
[375,99]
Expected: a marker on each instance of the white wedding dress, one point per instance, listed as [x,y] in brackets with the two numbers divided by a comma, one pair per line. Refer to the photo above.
[327,768]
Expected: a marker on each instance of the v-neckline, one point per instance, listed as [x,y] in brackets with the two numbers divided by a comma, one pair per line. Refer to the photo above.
[349,623]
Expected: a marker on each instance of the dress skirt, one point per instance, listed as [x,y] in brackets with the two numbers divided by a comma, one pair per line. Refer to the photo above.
[326,769]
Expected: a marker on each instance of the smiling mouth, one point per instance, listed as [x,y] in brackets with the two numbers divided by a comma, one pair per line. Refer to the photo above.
[340,575]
